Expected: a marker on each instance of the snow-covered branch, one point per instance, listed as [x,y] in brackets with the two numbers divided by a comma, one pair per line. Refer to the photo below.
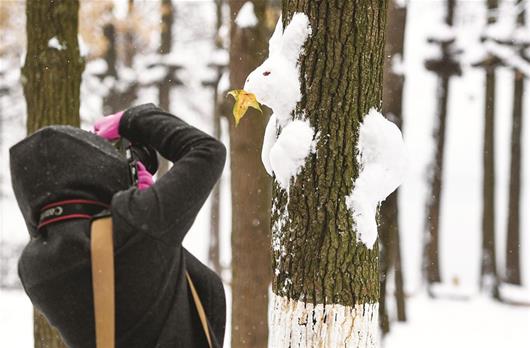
[509,56]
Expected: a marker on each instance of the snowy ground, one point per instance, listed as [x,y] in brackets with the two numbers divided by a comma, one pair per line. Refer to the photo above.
[477,322]
[436,324]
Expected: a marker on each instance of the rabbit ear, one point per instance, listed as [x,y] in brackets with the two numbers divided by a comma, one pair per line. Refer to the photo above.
[275,42]
[294,36]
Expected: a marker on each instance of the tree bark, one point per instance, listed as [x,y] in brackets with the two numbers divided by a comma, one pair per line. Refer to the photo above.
[489,277]
[52,77]
[51,80]
[513,266]
[251,192]
[326,282]
[390,257]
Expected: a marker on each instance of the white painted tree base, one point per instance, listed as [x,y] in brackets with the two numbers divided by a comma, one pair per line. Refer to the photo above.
[297,324]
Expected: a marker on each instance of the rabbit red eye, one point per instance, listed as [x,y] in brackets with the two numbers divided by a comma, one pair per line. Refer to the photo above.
[266,73]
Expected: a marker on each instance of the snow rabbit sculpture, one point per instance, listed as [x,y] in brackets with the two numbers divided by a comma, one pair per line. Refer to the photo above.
[276,84]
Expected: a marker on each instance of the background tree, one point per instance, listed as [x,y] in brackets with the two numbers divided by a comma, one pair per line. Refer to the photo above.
[214,252]
[167,12]
[129,37]
[317,258]
[119,97]
[513,247]
[489,278]
[390,255]
[52,79]
[251,191]
[445,66]
[12,105]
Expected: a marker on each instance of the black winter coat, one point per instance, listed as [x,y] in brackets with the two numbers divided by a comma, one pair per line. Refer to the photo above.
[154,307]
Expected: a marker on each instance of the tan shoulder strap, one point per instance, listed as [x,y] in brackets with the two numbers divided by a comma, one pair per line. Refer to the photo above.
[102,256]
[200,309]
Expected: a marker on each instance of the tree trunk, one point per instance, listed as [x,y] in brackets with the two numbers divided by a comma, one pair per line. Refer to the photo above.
[388,228]
[390,257]
[513,266]
[488,267]
[129,46]
[489,278]
[118,98]
[251,193]
[115,100]
[214,253]
[431,253]
[164,87]
[166,37]
[326,282]
[51,76]
[51,81]
[399,282]
[513,269]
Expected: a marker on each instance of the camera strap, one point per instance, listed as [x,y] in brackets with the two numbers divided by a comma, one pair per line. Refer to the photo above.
[102,259]
[69,209]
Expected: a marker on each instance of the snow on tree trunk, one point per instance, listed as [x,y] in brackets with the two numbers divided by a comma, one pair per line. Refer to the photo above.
[326,281]
[52,79]
[300,324]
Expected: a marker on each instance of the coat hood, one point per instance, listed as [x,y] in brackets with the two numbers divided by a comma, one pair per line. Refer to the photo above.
[64,162]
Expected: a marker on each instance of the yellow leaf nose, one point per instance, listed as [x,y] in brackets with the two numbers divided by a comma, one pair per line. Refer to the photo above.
[244,100]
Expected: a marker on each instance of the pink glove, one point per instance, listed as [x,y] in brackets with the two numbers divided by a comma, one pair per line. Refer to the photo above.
[145,179]
[107,126]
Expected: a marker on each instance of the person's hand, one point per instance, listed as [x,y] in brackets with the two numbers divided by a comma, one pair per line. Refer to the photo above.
[145,179]
[107,126]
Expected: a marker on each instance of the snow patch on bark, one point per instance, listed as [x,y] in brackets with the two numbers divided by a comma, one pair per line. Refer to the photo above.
[299,324]
[276,83]
[287,155]
[246,18]
[84,49]
[54,43]
[277,232]
[398,66]
[382,163]
[268,141]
